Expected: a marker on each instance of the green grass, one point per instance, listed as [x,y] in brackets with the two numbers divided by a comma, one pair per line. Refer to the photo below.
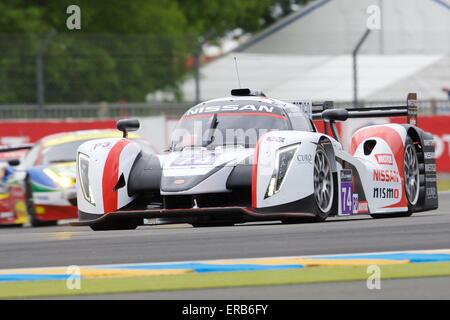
[218,280]
[443,184]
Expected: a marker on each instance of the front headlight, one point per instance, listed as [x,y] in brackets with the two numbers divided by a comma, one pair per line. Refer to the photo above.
[83,174]
[283,158]
[61,180]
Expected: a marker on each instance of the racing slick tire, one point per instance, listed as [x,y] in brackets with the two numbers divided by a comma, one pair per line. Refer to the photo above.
[34,221]
[10,226]
[323,189]
[117,225]
[413,181]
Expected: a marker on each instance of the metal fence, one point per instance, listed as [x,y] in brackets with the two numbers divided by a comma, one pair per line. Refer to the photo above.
[69,67]
[122,110]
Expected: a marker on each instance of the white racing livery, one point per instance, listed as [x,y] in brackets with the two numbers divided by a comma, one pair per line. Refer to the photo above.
[251,158]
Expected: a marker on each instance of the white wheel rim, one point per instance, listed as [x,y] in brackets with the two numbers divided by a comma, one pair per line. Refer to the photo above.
[411,175]
[323,182]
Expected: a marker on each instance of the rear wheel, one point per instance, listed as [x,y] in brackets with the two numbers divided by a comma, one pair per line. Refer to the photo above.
[412,181]
[323,189]
[34,221]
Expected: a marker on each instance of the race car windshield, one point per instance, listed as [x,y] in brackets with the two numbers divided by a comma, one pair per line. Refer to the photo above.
[225,129]
[65,152]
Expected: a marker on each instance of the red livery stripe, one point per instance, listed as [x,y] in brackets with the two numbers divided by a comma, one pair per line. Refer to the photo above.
[255,173]
[111,176]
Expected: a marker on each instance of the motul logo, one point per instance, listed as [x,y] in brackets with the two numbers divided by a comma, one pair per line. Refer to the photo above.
[386,176]
[384,158]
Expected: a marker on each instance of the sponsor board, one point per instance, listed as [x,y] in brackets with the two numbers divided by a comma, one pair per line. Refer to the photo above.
[195,159]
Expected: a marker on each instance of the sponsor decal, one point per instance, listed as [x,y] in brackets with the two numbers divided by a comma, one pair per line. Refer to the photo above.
[41,197]
[412,110]
[429,155]
[179,181]
[6,215]
[386,193]
[305,158]
[230,108]
[346,192]
[198,159]
[429,143]
[305,106]
[102,145]
[363,207]
[355,203]
[431,193]
[380,175]
[276,139]
[431,177]
[385,158]
[430,168]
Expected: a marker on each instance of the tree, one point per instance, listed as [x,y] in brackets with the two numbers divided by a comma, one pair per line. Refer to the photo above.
[124,50]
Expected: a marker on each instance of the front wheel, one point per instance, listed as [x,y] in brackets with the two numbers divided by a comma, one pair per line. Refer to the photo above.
[117,225]
[34,221]
[323,185]
[323,189]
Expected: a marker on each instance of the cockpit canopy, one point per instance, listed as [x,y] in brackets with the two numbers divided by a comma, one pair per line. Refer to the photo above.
[230,123]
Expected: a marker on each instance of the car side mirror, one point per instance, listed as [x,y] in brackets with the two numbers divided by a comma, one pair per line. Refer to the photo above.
[335,115]
[14,162]
[127,125]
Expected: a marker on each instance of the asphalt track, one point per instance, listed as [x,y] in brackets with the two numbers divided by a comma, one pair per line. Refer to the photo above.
[66,245]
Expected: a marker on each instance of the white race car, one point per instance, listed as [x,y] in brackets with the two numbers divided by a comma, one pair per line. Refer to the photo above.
[248,157]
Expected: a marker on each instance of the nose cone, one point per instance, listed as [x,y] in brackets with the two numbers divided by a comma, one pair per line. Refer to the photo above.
[201,170]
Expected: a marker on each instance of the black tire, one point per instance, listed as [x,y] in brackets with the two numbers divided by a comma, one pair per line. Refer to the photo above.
[10,226]
[323,180]
[412,200]
[117,225]
[34,220]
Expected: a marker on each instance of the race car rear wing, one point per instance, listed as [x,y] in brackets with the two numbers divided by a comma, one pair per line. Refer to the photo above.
[13,154]
[326,112]
[16,148]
